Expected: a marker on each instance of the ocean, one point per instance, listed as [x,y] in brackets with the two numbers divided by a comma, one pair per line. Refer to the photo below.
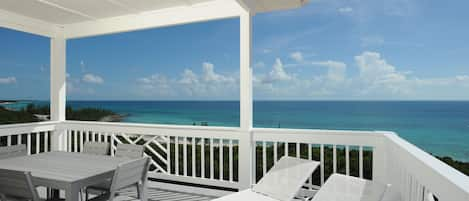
[438,127]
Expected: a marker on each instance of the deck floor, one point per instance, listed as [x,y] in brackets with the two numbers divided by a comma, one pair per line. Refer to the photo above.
[155,194]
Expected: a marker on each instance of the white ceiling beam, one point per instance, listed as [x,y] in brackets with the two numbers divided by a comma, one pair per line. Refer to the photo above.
[22,23]
[212,10]
[69,10]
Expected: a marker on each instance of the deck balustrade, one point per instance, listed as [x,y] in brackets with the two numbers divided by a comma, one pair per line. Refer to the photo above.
[215,158]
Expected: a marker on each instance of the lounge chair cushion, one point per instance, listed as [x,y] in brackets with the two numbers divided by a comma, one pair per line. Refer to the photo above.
[286,178]
[346,188]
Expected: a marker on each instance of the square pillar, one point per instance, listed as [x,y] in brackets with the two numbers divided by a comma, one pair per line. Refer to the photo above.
[58,76]
[246,143]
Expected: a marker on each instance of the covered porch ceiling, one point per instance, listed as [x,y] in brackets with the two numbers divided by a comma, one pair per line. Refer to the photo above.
[82,18]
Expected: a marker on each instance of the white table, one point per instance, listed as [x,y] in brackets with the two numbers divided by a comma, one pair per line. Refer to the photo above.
[64,170]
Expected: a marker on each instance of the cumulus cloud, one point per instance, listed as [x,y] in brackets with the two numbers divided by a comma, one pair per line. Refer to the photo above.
[208,83]
[277,73]
[93,79]
[336,69]
[378,74]
[297,56]
[8,80]
[211,76]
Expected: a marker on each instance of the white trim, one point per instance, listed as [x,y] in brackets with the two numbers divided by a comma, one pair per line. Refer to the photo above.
[17,22]
[212,10]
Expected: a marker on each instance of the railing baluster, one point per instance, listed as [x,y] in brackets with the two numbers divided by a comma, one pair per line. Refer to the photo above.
[286,148]
[29,143]
[69,140]
[176,155]
[334,158]
[19,139]
[9,140]
[202,158]
[322,164]
[46,141]
[310,157]
[184,155]
[347,160]
[264,158]
[230,156]
[38,142]
[193,156]
[360,161]
[81,140]
[298,150]
[211,158]
[220,160]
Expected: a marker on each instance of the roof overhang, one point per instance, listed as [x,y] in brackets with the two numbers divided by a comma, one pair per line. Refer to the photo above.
[83,18]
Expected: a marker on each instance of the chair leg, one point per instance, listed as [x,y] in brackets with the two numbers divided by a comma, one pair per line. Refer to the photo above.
[139,191]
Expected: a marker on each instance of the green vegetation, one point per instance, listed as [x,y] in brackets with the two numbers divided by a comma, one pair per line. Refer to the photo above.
[30,112]
[458,165]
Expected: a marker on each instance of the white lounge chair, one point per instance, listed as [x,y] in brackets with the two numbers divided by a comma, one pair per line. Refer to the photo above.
[346,188]
[282,182]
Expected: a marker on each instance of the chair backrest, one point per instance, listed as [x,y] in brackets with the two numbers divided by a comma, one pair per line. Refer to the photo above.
[129,150]
[13,151]
[97,148]
[17,184]
[286,178]
[129,173]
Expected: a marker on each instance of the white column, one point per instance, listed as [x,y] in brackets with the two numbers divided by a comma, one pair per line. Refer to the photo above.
[58,90]
[246,101]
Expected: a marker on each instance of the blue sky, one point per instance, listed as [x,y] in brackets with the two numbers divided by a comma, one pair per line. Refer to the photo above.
[334,49]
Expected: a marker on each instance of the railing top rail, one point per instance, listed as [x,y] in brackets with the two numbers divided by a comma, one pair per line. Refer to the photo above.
[148,129]
[10,129]
[338,137]
[443,180]
[156,126]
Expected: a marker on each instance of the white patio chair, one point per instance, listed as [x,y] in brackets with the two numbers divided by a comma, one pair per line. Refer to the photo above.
[132,173]
[346,188]
[129,150]
[13,151]
[18,185]
[96,148]
[282,182]
[123,150]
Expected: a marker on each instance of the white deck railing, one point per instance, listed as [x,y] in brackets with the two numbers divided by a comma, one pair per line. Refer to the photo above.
[217,156]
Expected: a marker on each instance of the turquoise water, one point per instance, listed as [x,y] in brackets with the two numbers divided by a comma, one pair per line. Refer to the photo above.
[439,127]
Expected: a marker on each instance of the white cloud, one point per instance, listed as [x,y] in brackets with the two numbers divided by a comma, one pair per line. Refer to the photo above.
[211,76]
[345,10]
[378,75]
[297,56]
[93,79]
[277,73]
[190,84]
[336,69]
[8,80]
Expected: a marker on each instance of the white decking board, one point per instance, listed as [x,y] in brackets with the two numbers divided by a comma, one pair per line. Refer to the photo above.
[157,194]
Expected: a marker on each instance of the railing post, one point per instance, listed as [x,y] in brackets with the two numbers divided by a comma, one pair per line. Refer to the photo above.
[246,100]
[58,91]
